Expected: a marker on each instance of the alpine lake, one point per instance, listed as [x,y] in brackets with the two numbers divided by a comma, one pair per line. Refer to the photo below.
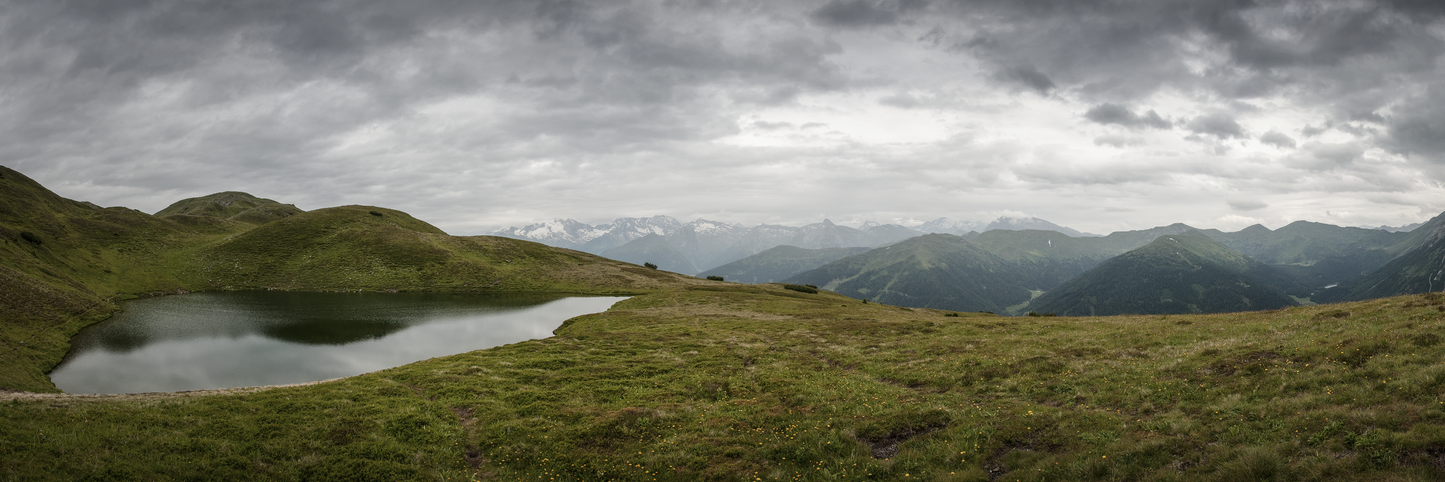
[252,338]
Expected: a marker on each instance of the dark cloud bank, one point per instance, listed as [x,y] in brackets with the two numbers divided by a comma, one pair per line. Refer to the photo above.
[484,114]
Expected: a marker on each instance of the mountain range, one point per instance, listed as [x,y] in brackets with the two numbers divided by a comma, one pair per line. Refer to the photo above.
[1001,268]
[1130,271]
[1175,274]
[931,271]
[999,265]
[708,244]
[779,262]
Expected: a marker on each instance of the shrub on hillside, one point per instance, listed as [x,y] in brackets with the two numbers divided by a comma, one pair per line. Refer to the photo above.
[801,288]
[715,278]
[31,237]
[376,213]
[649,265]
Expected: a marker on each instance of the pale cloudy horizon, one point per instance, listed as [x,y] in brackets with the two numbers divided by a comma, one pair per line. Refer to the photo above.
[1097,115]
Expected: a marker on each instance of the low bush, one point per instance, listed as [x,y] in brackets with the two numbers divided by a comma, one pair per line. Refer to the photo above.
[715,278]
[376,213]
[649,265]
[31,237]
[801,288]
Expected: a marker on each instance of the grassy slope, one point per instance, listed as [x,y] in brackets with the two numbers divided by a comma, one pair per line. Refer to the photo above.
[736,382]
[87,256]
[90,257]
[233,206]
[349,248]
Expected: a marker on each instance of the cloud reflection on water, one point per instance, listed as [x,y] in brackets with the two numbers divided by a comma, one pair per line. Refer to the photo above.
[220,340]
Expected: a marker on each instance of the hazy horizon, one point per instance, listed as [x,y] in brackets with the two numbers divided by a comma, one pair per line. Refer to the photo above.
[915,224]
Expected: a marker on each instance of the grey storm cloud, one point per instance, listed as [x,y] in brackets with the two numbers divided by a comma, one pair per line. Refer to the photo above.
[1331,35]
[1117,114]
[1278,140]
[1027,76]
[1417,126]
[459,108]
[1124,50]
[1326,156]
[1246,204]
[1217,124]
[1374,117]
[853,14]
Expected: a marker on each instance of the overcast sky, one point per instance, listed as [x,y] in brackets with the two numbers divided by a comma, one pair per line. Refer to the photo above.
[477,115]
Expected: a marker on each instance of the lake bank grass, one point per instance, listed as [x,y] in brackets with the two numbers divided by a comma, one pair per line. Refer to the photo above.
[748,382]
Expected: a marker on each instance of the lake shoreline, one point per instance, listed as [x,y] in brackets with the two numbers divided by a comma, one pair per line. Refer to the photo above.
[6,396]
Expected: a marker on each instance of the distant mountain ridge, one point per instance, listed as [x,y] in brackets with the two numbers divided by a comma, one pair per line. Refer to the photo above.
[778,263]
[1019,224]
[941,271]
[653,249]
[709,244]
[1174,274]
[1419,269]
[703,244]
[1312,262]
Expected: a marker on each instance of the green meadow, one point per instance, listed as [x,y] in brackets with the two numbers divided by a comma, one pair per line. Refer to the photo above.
[693,379]
[755,382]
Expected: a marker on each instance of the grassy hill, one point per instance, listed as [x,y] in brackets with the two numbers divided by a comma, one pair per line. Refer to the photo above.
[62,264]
[778,263]
[233,206]
[1187,273]
[66,263]
[378,249]
[932,271]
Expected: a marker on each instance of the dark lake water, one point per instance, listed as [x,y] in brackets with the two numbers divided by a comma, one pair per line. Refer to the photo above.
[250,338]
